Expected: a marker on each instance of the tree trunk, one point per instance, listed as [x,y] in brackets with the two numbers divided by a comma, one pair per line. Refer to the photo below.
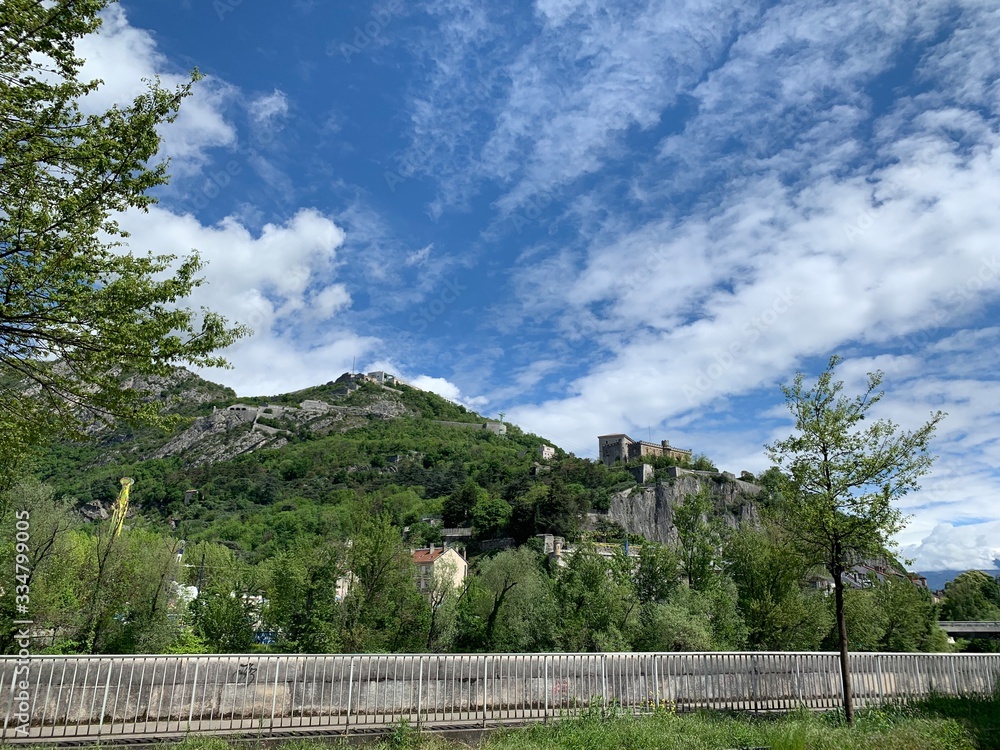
[845,670]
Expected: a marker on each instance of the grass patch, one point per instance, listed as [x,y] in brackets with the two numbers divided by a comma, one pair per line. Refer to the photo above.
[798,731]
[939,723]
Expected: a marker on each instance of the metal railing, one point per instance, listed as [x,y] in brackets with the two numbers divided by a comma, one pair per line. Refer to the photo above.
[58,697]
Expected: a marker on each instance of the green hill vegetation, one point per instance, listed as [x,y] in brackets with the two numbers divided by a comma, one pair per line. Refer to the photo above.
[301,542]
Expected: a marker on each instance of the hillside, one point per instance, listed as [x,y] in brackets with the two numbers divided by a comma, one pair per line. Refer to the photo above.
[303,456]
[252,472]
[289,499]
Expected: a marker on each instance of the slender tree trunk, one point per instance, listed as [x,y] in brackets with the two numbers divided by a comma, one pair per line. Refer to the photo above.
[845,670]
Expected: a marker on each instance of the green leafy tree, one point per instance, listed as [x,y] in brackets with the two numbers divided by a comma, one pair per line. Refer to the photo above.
[490,516]
[442,600]
[76,310]
[693,620]
[657,573]
[51,575]
[508,605]
[228,605]
[845,477]
[559,511]
[972,596]
[383,610]
[699,535]
[596,602]
[457,508]
[769,572]
[302,598]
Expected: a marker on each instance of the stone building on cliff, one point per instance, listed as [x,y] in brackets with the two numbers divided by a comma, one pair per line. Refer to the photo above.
[620,447]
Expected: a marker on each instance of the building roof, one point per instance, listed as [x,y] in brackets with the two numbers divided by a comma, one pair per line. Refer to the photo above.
[426,556]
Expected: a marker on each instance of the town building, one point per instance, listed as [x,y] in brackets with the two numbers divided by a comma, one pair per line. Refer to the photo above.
[559,552]
[620,447]
[547,452]
[444,562]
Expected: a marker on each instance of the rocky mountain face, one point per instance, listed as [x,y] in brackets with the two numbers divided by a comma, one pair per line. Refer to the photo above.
[241,428]
[649,509]
[215,426]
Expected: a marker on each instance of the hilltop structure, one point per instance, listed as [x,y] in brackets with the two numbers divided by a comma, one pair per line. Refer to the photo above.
[620,447]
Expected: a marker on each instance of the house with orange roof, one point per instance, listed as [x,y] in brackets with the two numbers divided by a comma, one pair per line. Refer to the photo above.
[443,563]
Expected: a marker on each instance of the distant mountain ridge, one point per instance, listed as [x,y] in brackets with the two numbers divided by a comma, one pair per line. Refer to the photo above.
[936,579]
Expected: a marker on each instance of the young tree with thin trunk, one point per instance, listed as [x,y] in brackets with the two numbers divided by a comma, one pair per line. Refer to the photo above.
[78,309]
[845,478]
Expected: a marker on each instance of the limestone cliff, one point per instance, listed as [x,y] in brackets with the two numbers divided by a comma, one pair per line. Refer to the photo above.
[649,509]
[241,428]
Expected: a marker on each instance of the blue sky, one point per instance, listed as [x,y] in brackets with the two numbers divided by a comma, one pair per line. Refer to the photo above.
[601,217]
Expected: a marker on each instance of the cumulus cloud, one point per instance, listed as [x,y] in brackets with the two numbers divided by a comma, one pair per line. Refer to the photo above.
[949,547]
[445,388]
[122,56]
[280,281]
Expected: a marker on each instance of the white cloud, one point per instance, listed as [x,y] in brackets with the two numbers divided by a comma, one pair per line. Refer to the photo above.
[419,257]
[440,386]
[446,389]
[567,98]
[122,56]
[279,281]
[267,109]
[798,256]
[949,547]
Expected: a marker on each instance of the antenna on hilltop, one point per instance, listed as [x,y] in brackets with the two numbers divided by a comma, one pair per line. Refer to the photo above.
[354,365]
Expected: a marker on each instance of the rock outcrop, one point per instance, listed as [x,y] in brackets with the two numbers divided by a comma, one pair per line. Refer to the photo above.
[649,509]
[243,428]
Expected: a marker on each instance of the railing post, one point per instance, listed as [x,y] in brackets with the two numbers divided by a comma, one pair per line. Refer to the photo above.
[878,671]
[798,677]
[545,668]
[274,690]
[420,691]
[350,694]
[705,662]
[656,680]
[486,662]
[604,681]
[194,693]
[104,702]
